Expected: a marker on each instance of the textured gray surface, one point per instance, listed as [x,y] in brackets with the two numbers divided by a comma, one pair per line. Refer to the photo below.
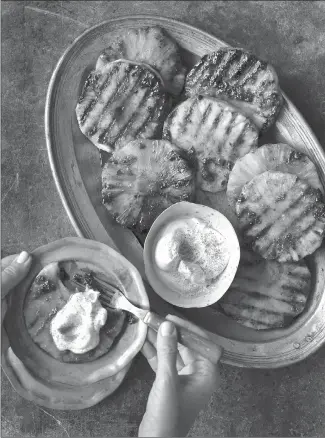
[291,35]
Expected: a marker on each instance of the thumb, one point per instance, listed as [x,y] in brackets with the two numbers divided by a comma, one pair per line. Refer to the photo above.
[167,351]
[161,417]
[14,273]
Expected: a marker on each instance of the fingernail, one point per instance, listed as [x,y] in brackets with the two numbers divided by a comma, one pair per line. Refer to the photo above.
[167,328]
[23,257]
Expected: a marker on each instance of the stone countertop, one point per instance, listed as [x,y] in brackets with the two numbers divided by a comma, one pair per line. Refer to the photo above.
[291,35]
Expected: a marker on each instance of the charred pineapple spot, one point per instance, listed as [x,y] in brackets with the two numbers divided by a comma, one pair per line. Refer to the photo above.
[129,160]
[229,165]
[295,155]
[280,198]
[209,169]
[119,112]
[172,156]
[92,131]
[242,198]
[163,185]
[108,197]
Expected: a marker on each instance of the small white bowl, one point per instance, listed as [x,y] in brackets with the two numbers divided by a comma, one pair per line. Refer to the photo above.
[206,295]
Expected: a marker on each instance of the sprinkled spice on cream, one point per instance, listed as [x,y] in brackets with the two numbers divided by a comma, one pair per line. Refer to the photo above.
[189,253]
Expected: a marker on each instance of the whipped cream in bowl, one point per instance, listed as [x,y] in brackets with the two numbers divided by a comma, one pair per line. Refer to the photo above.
[191,255]
[76,326]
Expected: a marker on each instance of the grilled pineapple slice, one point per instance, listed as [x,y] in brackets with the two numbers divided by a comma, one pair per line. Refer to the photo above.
[150,45]
[120,102]
[274,157]
[240,78]
[281,216]
[142,179]
[266,294]
[212,133]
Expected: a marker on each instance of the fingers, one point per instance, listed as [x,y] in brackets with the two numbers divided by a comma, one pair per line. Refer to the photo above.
[152,339]
[188,325]
[187,354]
[7,260]
[14,272]
[149,350]
[150,353]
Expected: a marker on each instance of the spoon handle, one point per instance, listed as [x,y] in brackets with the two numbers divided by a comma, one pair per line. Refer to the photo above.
[195,342]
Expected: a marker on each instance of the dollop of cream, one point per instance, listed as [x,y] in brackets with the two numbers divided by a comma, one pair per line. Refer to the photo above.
[188,249]
[76,326]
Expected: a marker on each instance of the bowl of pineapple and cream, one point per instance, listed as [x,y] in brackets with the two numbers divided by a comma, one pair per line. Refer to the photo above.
[61,336]
[191,255]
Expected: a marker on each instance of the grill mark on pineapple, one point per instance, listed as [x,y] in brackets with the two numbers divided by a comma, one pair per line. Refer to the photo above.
[114,94]
[110,74]
[124,80]
[261,234]
[209,132]
[294,272]
[256,324]
[271,246]
[239,142]
[211,65]
[196,74]
[267,227]
[113,97]
[204,118]
[262,312]
[146,125]
[292,290]
[255,68]
[151,112]
[239,139]
[133,117]
[88,108]
[235,312]
[224,147]
[307,229]
[231,124]
[226,62]
[248,227]
[264,298]
[262,214]
[303,214]
[154,113]
[183,124]
[244,63]
[98,92]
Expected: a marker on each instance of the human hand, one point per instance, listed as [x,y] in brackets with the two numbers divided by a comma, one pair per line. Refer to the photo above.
[184,381]
[14,269]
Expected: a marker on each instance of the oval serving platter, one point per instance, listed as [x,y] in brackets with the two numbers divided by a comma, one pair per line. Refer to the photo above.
[75,166]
